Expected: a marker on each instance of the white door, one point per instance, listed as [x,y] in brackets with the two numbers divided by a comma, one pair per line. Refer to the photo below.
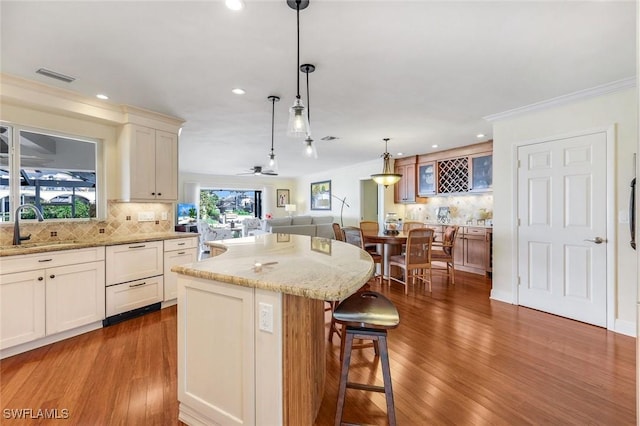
[562,204]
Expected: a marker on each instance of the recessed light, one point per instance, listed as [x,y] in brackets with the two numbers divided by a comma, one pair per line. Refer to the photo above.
[102,96]
[400,153]
[434,145]
[234,4]
[238,91]
[480,135]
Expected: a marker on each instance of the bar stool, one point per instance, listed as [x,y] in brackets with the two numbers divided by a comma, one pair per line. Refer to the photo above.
[366,315]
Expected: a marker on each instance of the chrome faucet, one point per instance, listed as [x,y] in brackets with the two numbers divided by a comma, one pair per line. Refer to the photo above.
[16,223]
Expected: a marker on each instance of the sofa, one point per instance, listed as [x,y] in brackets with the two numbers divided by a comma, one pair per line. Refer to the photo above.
[314,226]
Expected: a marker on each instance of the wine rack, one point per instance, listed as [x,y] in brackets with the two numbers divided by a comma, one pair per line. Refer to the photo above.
[453,175]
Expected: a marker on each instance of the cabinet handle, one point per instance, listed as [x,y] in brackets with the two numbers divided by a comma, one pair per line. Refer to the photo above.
[181,252]
[137,285]
[159,194]
[45,260]
[40,278]
[153,193]
[140,246]
[52,276]
[181,244]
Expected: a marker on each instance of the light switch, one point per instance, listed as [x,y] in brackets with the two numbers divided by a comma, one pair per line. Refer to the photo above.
[146,216]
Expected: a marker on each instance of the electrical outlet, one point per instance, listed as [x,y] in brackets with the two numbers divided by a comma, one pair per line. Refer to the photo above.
[265,317]
[146,217]
[164,216]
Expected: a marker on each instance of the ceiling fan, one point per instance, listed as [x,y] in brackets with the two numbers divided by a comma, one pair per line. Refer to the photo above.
[258,171]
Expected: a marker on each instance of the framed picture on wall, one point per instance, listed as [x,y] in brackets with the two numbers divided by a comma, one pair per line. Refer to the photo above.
[283,197]
[321,195]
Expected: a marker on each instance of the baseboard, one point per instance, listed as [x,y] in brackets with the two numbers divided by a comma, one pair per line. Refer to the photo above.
[627,328]
[501,296]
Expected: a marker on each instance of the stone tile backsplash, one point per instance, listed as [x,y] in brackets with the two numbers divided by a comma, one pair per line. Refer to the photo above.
[463,209]
[122,220]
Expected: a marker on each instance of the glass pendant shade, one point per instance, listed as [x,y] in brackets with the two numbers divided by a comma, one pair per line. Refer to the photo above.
[298,120]
[273,162]
[310,148]
[386,178]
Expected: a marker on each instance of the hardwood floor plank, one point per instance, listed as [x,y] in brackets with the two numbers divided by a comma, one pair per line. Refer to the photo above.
[457,358]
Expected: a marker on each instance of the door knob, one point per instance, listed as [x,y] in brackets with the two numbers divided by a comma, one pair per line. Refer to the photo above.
[597,240]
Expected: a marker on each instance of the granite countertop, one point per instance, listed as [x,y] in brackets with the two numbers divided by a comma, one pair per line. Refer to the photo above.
[48,246]
[312,267]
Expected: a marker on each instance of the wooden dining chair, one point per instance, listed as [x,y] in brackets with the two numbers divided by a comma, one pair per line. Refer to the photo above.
[416,261]
[370,227]
[444,251]
[353,235]
[337,231]
[409,225]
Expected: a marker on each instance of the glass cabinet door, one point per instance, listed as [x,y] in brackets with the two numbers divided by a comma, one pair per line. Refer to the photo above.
[427,178]
[481,173]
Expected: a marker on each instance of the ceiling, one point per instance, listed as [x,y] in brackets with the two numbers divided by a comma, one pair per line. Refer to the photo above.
[417,72]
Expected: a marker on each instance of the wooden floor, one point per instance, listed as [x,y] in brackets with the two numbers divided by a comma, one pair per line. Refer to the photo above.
[457,358]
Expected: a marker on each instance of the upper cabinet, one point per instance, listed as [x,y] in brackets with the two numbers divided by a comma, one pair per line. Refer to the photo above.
[460,170]
[148,164]
[405,190]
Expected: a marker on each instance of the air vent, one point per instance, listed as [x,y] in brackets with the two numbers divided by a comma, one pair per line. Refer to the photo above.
[330,138]
[56,75]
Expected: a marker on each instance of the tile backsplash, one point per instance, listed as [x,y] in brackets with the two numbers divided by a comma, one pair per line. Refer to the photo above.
[122,220]
[464,209]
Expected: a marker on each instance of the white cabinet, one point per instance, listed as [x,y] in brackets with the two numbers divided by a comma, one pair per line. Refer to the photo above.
[134,276]
[75,296]
[177,252]
[22,299]
[149,164]
[49,293]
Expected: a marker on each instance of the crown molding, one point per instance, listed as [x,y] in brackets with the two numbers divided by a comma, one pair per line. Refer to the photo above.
[612,87]
[19,91]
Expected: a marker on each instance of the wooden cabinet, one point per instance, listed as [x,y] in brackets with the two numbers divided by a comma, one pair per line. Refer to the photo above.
[149,164]
[405,190]
[177,252]
[49,293]
[470,250]
[134,276]
[481,172]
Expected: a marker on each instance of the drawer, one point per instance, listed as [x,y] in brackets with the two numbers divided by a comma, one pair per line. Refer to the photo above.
[475,231]
[128,262]
[132,295]
[30,262]
[180,243]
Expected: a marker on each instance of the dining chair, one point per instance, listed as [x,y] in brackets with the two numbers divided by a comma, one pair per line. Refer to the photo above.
[409,225]
[444,251]
[353,235]
[337,231]
[370,227]
[416,260]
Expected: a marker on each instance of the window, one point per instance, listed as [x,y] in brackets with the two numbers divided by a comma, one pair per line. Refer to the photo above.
[56,173]
[227,206]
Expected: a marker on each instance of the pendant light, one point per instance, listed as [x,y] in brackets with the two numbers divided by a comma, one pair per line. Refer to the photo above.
[387,177]
[298,119]
[310,148]
[273,163]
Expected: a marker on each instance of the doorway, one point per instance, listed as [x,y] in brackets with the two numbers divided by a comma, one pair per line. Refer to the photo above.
[369,200]
[563,239]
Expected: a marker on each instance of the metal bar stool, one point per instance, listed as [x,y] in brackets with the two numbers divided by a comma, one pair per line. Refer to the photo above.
[366,315]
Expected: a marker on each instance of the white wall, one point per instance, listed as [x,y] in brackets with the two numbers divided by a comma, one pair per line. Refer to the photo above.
[345,182]
[618,108]
[191,183]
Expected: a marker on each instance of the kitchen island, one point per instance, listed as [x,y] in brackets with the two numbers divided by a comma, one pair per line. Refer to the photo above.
[251,330]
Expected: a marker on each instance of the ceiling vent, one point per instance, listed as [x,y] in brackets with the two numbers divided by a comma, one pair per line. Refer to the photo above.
[56,75]
[330,138]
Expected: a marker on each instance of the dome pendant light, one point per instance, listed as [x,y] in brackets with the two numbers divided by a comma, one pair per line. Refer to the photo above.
[298,119]
[310,148]
[273,163]
[386,178]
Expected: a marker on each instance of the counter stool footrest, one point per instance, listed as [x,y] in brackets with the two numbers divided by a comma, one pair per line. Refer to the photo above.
[362,386]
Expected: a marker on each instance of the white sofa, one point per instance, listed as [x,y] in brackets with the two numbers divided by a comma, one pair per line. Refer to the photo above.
[314,226]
